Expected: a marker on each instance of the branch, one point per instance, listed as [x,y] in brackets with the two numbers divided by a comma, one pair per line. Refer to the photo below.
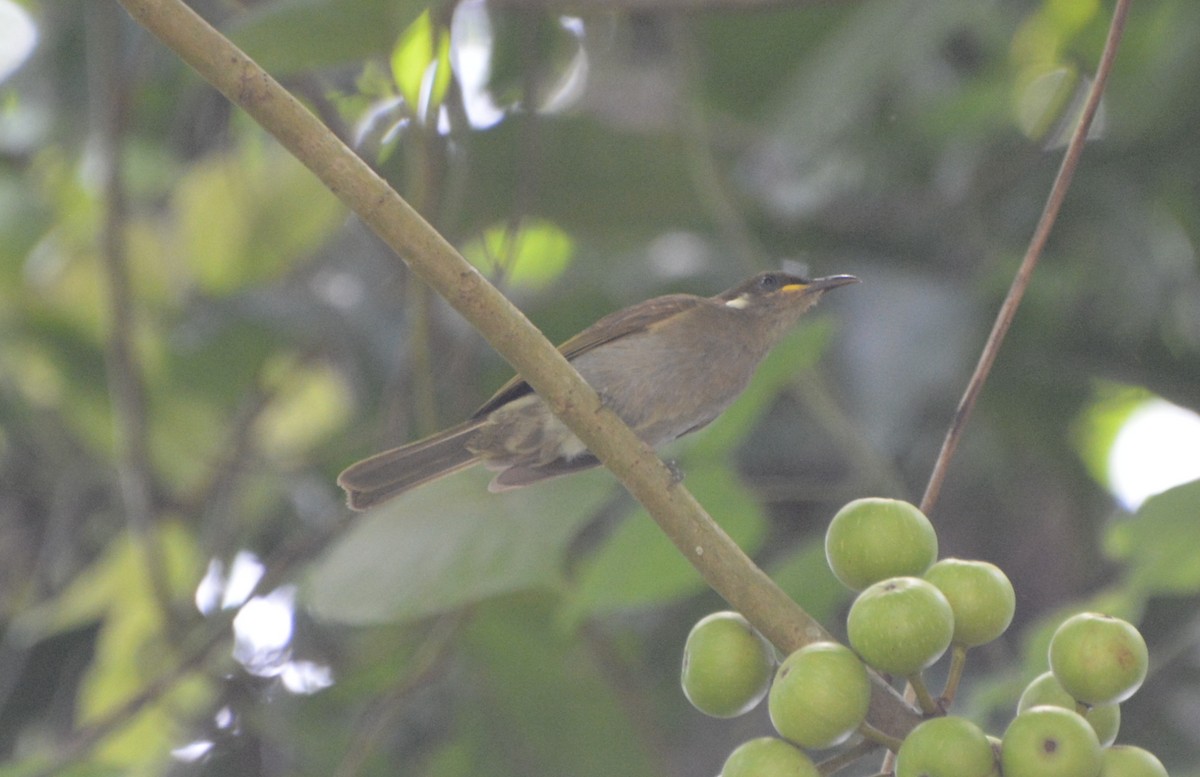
[1058,192]
[719,560]
[125,387]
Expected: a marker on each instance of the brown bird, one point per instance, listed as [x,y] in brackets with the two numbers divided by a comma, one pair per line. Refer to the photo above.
[667,366]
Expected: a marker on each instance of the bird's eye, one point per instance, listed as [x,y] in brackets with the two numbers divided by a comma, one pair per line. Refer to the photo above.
[768,283]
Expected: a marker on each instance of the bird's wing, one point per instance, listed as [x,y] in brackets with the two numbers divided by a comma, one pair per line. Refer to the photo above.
[633,319]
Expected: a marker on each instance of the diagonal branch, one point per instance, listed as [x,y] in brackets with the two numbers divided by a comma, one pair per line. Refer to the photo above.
[1058,192]
[719,560]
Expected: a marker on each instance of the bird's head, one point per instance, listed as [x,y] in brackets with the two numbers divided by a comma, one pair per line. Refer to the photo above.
[773,293]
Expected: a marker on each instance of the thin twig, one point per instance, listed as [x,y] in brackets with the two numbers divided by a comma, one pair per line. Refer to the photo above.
[1058,192]
[125,388]
[380,719]
[1037,243]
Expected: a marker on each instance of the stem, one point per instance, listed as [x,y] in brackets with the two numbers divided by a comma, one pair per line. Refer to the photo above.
[878,737]
[958,662]
[924,698]
[1058,192]
[123,370]
[846,757]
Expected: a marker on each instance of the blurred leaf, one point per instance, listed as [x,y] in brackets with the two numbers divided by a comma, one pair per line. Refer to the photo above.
[59,366]
[298,35]
[1158,544]
[626,187]
[1041,100]
[132,648]
[244,218]
[806,577]
[421,47]
[451,543]
[638,566]
[528,48]
[532,257]
[543,705]
[309,403]
[1097,429]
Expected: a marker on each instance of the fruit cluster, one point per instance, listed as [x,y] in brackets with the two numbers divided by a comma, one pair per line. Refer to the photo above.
[909,611]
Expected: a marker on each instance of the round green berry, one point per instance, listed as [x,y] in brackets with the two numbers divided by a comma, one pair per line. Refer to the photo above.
[1098,659]
[1045,689]
[820,695]
[873,539]
[900,625]
[726,665]
[1130,761]
[980,595]
[946,747]
[768,757]
[1049,742]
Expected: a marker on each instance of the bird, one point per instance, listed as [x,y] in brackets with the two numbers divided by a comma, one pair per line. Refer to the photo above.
[667,367]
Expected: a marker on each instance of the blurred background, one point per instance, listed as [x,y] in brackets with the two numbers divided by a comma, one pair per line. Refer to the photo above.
[196,337]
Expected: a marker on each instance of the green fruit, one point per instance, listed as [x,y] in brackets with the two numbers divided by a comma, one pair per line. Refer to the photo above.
[726,665]
[873,539]
[1105,719]
[980,595]
[1098,659]
[900,625]
[820,695]
[1130,761]
[946,747]
[768,757]
[1049,742]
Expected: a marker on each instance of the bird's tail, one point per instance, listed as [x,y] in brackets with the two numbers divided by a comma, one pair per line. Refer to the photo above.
[390,473]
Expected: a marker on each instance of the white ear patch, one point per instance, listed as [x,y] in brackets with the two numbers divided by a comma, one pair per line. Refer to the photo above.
[739,302]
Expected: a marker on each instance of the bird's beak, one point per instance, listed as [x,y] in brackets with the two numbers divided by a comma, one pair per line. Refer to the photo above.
[822,284]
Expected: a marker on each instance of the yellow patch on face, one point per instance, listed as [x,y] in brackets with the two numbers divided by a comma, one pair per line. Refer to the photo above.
[794,287]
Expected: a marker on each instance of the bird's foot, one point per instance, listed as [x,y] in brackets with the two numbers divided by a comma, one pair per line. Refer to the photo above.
[675,470]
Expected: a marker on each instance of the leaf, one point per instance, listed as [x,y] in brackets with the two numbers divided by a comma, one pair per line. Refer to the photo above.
[532,257]
[542,706]
[639,566]
[806,577]
[625,187]
[132,648]
[244,218]
[289,36]
[1159,542]
[451,543]
[310,402]
[422,46]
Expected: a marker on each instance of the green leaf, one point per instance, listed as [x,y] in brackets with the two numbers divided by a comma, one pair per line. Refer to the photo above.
[587,194]
[806,577]
[244,218]
[133,648]
[532,257]
[639,566]
[290,36]
[1159,542]
[542,706]
[451,543]
[1094,433]
[309,402]
[421,47]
